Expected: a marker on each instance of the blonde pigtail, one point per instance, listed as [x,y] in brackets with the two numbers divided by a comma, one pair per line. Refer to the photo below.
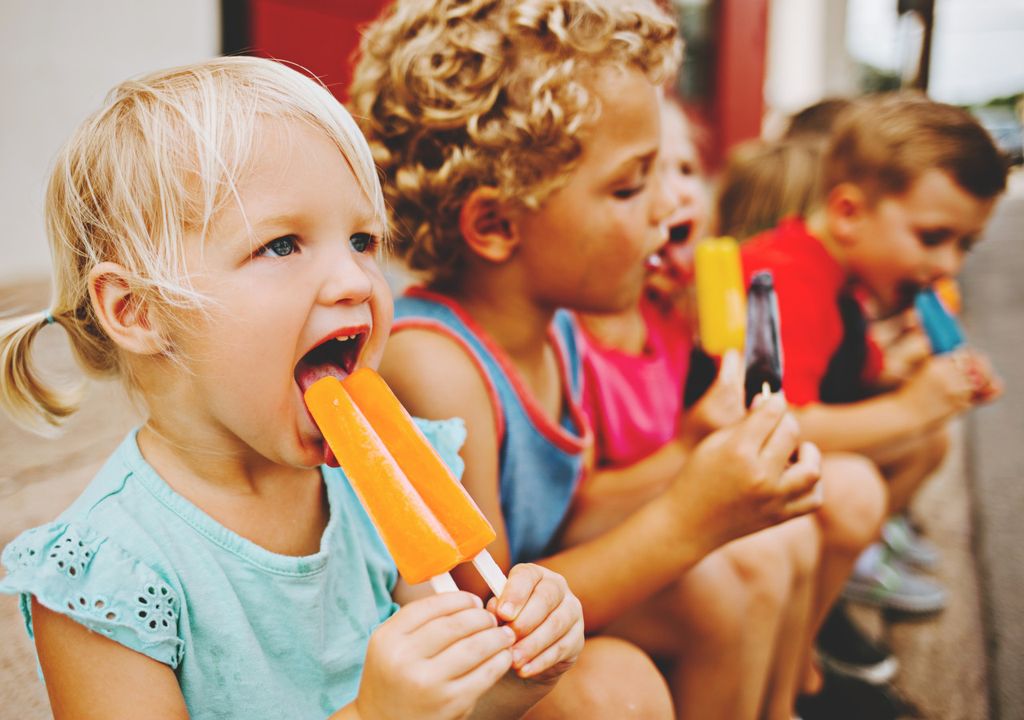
[30,400]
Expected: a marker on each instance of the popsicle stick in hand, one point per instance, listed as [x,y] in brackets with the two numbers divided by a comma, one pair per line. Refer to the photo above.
[484,565]
[443,583]
[490,572]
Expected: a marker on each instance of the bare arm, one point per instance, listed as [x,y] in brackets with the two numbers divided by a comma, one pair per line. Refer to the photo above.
[941,388]
[89,676]
[731,485]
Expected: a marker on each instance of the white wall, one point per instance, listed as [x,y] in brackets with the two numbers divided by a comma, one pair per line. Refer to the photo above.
[807,59]
[58,58]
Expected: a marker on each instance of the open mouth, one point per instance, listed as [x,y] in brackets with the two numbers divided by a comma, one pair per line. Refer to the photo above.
[679,234]
[335,356]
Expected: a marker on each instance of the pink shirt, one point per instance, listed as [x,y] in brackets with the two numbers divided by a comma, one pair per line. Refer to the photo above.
[634,402]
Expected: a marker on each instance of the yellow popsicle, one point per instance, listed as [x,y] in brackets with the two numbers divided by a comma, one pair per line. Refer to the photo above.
[721,300]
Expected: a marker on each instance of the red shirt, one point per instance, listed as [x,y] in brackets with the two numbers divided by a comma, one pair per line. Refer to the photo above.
[808,282]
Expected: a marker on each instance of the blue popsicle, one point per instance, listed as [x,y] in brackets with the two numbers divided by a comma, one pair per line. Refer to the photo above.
[942,328]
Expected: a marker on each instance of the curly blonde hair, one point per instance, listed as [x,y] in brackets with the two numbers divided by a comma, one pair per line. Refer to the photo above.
[458,94]
[161,157]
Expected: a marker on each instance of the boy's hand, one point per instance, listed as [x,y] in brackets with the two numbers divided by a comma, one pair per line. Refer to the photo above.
[433,659]
[741,479]
[986,384]
[949,384]
[904,356]
[547,619]
[722,405]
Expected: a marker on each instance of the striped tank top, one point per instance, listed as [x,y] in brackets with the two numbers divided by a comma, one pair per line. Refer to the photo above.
[540,462]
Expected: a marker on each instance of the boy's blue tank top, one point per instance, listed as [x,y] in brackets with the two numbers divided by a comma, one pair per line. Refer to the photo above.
[540,463]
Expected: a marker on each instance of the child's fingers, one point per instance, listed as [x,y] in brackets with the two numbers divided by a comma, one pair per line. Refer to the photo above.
[806,503]
[780,445]
[481,678]
[439,633]
[522,579]
[468,653]
[555,629]
[542,622]
[759,423]
[546,599]
[914,348]
[565,648]
[422,611]
[801,478]
[731,370]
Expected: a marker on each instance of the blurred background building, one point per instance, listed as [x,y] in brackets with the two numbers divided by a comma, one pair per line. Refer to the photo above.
[749,63]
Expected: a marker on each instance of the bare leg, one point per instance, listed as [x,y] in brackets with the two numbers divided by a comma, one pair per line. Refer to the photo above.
[795,632]
[612,680]
[850,519]
[718,627]
[907,466]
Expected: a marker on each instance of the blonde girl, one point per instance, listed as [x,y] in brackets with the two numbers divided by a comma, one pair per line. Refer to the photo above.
[213,230]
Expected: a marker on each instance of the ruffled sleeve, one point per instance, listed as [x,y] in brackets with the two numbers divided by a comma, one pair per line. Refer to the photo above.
[78,572]
[447,437]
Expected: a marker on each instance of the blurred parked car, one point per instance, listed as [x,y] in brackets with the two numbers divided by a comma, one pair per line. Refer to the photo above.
[1005,127]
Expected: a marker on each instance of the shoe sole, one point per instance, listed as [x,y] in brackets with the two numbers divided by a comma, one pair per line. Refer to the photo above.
[877,674]
[920,607]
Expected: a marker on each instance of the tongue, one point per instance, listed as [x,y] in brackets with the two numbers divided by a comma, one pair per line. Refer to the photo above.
[306,373]
[329,458]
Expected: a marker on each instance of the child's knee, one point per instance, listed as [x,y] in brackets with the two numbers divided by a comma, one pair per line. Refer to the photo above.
[767,563]
[613,679]
[855,502]
[711,600]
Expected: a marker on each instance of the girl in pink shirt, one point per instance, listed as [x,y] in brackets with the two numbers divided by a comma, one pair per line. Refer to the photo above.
[754,604]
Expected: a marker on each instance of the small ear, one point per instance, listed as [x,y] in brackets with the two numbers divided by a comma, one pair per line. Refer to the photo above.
[845,205]
[121,313]
[486,226]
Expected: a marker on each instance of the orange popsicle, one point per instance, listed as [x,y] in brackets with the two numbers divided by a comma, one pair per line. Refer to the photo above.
[721,300]
[431,478]
[429,525]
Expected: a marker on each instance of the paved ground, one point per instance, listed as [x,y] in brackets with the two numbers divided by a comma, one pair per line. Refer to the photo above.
[994,286]
[951,666]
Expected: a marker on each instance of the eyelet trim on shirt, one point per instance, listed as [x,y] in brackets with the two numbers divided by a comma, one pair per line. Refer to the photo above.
[80,573]
[71,555]
[155,608]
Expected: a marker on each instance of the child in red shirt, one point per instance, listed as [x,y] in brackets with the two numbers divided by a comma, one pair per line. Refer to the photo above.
[908,184]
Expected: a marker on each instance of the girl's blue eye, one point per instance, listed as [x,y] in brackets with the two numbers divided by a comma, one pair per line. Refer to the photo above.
[363,242]
[279,247]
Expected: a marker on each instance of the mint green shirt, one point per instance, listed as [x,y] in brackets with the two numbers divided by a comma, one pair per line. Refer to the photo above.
[249,633]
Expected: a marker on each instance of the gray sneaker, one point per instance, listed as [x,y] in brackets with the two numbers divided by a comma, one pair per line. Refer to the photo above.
[907,545]
[884,582]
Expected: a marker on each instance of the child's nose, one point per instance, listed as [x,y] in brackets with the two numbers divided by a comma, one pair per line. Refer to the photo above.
[946,261]
[346,280]
[664,203]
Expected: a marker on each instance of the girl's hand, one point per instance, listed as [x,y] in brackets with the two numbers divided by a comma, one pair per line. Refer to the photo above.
[750,475]
[434,659]
[547,619]
[722,405]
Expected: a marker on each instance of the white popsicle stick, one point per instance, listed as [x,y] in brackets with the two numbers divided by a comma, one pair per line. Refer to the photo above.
[443,583]
[484,565]
[490,572]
